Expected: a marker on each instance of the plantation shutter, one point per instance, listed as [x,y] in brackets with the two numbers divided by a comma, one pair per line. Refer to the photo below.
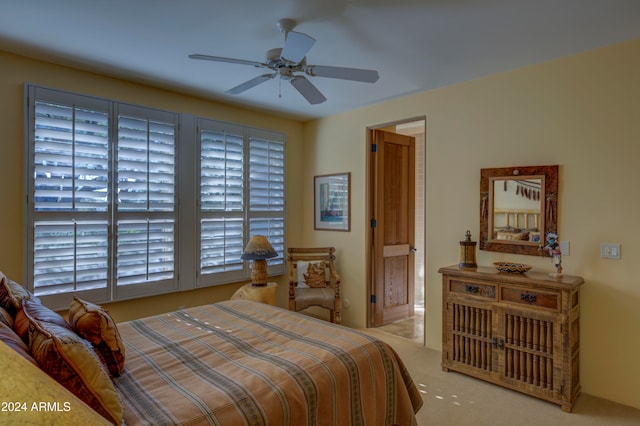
[266,191]
[221,199]
[146,196]
[70,193]
[125,201]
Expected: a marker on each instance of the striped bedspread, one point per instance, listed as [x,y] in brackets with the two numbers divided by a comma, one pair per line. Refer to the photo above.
[245,363]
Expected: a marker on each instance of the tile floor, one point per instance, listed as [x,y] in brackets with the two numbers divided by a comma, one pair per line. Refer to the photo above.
[412,328]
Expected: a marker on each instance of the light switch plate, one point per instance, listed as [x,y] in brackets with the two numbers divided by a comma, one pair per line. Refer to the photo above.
[564,247]
[609,250]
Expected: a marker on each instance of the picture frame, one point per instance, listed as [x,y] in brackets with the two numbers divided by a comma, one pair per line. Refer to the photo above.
[332,202]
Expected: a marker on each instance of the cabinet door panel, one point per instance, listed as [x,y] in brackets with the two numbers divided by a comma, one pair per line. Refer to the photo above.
[530,348]
[471,335]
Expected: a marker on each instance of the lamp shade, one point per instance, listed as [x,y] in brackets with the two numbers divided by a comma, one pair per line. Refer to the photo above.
[258,248]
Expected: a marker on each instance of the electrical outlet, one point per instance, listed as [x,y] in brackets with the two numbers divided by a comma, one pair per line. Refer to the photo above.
[609,251]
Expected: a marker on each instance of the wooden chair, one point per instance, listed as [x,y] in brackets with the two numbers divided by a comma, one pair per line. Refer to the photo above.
[313,281]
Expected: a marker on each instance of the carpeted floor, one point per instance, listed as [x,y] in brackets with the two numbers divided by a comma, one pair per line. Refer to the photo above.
[455,399]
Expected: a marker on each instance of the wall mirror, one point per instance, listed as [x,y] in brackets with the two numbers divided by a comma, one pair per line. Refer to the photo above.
[518,206]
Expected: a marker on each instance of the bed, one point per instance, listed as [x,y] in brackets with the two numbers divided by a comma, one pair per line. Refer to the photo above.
[236,362]
[241,362]
[516,225]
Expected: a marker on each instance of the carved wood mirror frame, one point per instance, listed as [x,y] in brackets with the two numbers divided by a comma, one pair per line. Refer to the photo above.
[548,201]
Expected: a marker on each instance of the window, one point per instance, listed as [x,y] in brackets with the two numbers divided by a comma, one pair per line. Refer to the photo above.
[241,182]
[103,182]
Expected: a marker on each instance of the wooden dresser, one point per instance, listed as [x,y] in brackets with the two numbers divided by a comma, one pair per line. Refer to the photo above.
[520,331]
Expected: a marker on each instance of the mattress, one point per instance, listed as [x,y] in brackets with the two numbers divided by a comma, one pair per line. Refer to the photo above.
[241,362]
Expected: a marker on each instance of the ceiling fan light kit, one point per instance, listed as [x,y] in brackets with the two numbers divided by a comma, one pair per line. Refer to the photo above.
[289,61]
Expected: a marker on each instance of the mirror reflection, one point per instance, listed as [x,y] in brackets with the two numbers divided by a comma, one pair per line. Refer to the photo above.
[517,204]
[518,207]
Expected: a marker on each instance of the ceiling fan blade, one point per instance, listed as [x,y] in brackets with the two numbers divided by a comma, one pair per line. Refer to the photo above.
[296,46]
[354,74]
[228,60]
[308,90]
[249,84]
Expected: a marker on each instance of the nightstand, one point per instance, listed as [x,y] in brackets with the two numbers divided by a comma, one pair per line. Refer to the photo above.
[263,294]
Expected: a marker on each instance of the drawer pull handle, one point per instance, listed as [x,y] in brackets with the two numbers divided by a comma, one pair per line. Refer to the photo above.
[531,298]
[472,288]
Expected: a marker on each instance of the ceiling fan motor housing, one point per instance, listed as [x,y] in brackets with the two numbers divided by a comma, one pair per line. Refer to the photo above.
[274,59]
[285,25]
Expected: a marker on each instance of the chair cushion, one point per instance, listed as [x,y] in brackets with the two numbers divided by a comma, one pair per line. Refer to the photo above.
[306,297]
[96,325]
[71,361]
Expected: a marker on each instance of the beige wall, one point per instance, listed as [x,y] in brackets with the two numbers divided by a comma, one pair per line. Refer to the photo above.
[17,70]
[581,112]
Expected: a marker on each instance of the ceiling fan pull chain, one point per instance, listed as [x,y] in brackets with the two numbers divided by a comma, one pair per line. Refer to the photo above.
[279,88]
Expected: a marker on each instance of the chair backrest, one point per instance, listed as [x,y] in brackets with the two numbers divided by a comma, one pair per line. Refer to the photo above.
[312,254]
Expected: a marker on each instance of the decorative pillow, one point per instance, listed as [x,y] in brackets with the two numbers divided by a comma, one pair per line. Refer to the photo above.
[96,325]
[35,310]
[11,294]
[6,318]
[8,336]
[71,361]
[316,275]
[301,268]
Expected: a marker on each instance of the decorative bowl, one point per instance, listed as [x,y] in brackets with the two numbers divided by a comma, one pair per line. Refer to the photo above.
[513,268]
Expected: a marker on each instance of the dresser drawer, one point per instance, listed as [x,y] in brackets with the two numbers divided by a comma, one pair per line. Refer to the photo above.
[470,288]
[530,298]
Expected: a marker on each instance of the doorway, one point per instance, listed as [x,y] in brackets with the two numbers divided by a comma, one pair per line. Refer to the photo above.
[412,325]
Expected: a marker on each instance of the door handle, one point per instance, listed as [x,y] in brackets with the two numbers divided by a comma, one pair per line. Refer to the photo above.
[413,249]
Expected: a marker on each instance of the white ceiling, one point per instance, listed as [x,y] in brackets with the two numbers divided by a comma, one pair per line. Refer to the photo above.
[416,45]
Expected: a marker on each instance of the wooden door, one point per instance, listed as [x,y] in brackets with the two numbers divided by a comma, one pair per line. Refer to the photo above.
[393,223]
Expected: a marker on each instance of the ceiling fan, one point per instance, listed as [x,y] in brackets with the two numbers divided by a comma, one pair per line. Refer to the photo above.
[290,61]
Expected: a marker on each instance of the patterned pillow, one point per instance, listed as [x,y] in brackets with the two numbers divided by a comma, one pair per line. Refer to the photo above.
[6,318]
[11,294]
[8,336]
[35,310]
[302,267]
[316,275]
[71,361]
[96,325]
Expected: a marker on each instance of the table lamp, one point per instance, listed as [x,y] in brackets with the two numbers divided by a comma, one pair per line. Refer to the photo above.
[259,249]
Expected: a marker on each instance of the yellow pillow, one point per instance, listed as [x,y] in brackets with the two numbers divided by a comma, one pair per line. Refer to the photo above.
[96,325]
[71,361]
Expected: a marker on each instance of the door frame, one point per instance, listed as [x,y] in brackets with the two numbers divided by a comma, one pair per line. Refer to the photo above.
[369,200]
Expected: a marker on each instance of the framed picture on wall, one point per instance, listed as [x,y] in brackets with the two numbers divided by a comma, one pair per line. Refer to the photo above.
[332,202]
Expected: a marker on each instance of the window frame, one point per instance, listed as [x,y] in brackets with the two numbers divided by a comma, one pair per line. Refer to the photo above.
[186,213]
